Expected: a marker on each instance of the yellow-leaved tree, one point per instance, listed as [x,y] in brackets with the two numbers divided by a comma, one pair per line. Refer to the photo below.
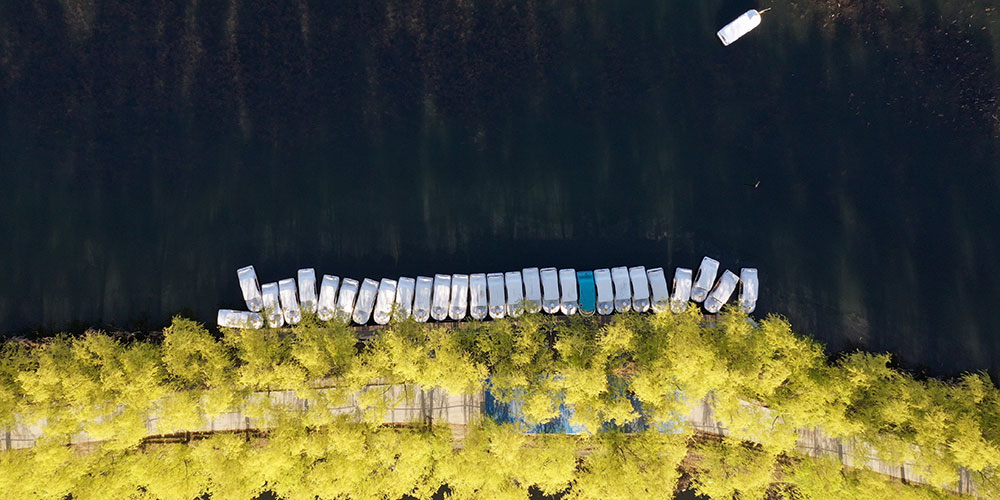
[201,373]
[499,461]
[731,469]
[630,467]
[15,358]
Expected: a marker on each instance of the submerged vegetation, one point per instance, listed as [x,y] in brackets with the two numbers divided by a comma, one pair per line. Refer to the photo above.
[646,371]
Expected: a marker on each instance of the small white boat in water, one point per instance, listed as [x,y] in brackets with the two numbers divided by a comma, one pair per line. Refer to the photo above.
[384,300]
[307,289]
[567,283]
[239,319]
[640,288]
[404,297]
[328,297]
[498,300]
[422,299]
[478,305]
[459,297]
[660,300]
[550,290]
[515,293]
[682,290]
[605,292]
[366,301]
[623,289]
[740,26]
[532,290]
[251,288]
[442,297]
[722,292]
[272,305]
[289,301]
[346,298]
[703,281]
[748,289]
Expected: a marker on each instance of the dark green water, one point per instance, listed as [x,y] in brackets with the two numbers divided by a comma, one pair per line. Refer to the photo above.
[148,149]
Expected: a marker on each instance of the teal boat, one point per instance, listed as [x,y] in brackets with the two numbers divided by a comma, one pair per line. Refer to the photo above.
[588,300]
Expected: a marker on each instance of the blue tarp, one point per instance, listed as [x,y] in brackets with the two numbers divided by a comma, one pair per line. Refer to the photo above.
[512,413]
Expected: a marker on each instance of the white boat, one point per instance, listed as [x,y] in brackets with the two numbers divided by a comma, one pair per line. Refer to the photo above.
[346,298]
[405,290]
[532,290]
[748,289]
[722,291]
[550,290]
[251,288]
[703,281]
[478,304]
[739,27]
[307,290]
[384,301]
[239,319]
[682,290]
[272,305]
[442,297]
[289,301]
[660,300]
[568,304]
[498,300]
[605,292]
[640,288]
[422,299]
[459,297]
[515,293]
[366,301]
[328,297]
[623,289]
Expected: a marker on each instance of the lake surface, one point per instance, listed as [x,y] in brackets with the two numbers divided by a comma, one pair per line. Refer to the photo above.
[149,149]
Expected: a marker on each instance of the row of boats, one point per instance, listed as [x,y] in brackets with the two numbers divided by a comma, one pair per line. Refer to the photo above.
[478,296]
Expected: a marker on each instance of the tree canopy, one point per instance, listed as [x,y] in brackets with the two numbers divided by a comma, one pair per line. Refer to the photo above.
[630,382]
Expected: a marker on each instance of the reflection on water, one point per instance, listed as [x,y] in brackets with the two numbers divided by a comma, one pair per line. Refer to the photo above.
[149,150]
